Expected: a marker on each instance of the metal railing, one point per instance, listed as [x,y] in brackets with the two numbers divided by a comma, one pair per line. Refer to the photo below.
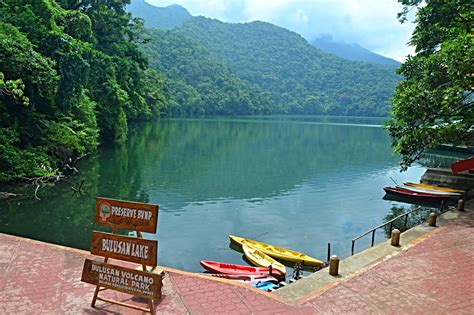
[390,228]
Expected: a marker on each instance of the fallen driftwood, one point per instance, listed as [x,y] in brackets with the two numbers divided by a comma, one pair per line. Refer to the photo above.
[70,164]
[42,180]
[6,195]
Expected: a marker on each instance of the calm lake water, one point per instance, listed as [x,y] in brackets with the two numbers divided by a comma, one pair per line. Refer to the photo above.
[295,182]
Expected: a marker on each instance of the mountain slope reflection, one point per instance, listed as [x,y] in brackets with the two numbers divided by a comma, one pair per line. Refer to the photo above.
[212,159]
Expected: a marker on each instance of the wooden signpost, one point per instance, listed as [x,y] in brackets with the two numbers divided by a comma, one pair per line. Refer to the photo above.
[140,283]
[136,216]
[140,217]
[127,248]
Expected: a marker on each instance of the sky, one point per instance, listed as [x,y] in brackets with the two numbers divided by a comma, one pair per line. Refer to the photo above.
[370,23]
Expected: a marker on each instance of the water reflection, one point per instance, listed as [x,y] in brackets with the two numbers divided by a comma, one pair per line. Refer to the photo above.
[419,215]
[441,158]
[296,182]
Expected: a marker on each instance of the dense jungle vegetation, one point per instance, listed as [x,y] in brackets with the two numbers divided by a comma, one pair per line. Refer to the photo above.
[74,73]
[71,77]
[197,83]
[295,76]
[299,78]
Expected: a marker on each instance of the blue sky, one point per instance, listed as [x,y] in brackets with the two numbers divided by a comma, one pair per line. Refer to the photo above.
[370,23]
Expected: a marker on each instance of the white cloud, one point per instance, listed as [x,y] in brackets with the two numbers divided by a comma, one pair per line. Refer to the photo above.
[370,23]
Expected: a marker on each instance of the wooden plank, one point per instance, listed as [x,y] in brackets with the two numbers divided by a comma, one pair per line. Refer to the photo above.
[122,214]
[139,283]
[126,248]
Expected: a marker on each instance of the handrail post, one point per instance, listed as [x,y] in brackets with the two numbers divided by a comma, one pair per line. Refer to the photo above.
[329,252]
[373,230]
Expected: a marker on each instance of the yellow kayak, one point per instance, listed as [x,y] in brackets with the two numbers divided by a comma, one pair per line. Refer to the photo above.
[258,258]
[435,188]
[278,252]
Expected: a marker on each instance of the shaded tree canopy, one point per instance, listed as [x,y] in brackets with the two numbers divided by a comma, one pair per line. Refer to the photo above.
[434,104]
[71,77]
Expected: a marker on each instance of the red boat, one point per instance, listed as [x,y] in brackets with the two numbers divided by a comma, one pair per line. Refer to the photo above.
[414,194]
[463,165]
[249,279]
[232,269]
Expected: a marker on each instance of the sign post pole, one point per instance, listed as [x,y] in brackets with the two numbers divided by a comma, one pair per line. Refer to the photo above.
[151,303]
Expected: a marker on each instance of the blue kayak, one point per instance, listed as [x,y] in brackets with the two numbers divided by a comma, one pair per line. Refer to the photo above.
[265,286]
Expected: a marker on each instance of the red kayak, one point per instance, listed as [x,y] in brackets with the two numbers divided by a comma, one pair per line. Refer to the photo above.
[232,269]
[415,194]
[463,165]
[250,279]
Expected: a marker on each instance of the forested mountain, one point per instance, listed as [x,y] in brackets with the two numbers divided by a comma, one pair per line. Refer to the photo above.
[156,17]
[199,84]
[71,76]
[351,51]
[299,77]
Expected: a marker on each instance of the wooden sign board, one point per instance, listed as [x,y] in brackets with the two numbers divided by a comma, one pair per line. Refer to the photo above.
[126,248]
[137,216]
[140,283]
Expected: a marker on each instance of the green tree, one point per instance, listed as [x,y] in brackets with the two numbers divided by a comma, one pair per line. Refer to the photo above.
[71,76]
[434,104]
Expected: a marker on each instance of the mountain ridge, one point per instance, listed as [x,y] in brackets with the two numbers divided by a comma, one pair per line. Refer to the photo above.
[297,77]
[175,15]
[159,17]
[351,51]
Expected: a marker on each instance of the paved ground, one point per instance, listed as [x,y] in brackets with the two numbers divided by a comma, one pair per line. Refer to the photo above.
[434,276]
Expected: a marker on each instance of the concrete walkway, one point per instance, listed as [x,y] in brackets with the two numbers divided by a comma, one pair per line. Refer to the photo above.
[436,275]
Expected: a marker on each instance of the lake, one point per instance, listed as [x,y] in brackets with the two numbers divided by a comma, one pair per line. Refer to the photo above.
[296,182]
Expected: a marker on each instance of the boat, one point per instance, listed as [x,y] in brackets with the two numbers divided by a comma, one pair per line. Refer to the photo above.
[258,258]
[265,286]
[435,187]
[232,269]
[250,279]
[463,165]
[430,191]
[414,194]
[278,252]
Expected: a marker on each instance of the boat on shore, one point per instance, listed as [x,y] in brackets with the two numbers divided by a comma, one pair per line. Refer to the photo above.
[430,191]
[232,269]
[249,279]
[258,258]
[447,189]
[463,165]
[278,252]
[265,286]
[414,194]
